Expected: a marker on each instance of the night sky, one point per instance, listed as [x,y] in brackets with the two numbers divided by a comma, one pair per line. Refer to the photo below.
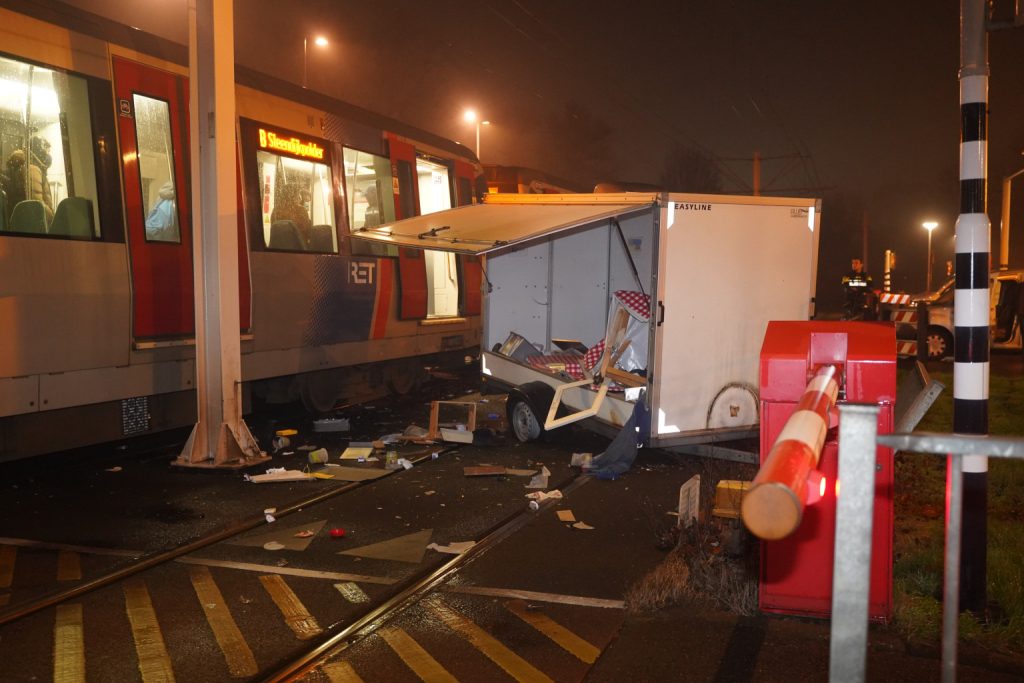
[854,103]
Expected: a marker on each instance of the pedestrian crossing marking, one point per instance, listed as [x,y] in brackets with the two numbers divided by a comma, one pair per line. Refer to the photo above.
[154,662]
[352,592]
[566,639]
[341,672]
[68,645]
[514,665]
[69,566]
[415,657]
[237,654]
[298,618]
[8,556]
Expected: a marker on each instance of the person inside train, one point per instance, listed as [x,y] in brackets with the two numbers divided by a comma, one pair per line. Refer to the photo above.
[162,220]
[288,207]
[372,216]
[27,179]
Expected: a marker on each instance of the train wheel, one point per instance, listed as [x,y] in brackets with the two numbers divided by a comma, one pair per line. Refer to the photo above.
[940,343]
[524,422]
[320,391]
[404,376]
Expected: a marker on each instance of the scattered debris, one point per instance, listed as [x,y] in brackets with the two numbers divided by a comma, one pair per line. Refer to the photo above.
[565,516]
[456,435]
[280,442]
[275,474]
[408,548]
[483,470]
[582,525]
[728,498]
[318,457]
[343,473]
[621,452]
[322,475]
[689,502]
[354,452]
[273,545]
[534,505]
[541,496]
[456,548]
[581,460]
[332,424]
[116,468]
[286,432]
[469,424]
[429,493]
[269,515]
[307,447]
[519,473]
[540,481]
[415,432]
[305,533]
[338,533]
[288,537]
[406,464]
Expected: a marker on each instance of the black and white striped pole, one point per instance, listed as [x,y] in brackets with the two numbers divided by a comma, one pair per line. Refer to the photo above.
[970,311]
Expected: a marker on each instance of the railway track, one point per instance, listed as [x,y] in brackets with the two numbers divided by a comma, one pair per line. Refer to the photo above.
[189,614]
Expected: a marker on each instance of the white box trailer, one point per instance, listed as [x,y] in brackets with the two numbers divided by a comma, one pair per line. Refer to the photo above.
[711,270]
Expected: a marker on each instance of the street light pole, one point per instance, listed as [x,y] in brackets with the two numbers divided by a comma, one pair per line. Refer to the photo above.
[471,117]
[929,226]
[319,41]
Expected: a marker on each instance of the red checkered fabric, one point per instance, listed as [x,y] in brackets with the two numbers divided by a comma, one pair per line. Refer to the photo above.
[593,355]
[570,361]
[637,303]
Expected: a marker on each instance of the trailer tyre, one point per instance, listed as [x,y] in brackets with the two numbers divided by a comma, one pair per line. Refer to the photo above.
[525,408]
[940,343]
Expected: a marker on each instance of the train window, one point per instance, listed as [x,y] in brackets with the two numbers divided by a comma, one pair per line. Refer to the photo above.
[48,177]
[156,169]
[297,204]
[371,199]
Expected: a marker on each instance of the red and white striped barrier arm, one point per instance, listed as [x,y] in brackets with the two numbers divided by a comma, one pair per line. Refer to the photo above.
[774,506]
[904,317]
[897,299]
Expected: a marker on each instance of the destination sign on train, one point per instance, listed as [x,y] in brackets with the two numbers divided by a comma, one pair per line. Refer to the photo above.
[291,145]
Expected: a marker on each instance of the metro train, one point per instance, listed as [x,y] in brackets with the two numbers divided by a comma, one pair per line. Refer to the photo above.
[96,275]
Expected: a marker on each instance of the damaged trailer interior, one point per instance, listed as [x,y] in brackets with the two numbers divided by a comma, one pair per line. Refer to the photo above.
[595,302]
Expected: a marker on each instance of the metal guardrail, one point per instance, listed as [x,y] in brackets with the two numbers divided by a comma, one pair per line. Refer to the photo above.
[858,440]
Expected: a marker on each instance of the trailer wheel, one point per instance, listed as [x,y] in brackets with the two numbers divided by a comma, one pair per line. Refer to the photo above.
[940,343]
[525,407]
[524,423]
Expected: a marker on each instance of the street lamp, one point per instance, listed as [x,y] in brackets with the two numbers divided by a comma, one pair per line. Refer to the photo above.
[471,117]
[929,226]
[319,41]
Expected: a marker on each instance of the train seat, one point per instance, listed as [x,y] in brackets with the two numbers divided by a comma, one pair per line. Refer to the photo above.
[284,235]
[321,239]
[28,216]
[73,218]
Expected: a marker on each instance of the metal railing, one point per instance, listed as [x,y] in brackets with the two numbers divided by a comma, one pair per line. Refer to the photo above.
[858,440]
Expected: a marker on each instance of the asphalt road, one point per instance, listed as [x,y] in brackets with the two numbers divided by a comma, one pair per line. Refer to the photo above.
[106,505]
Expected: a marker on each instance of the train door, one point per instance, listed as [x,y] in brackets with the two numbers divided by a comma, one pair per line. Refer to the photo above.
[412,269]
[464,182]
[153,127]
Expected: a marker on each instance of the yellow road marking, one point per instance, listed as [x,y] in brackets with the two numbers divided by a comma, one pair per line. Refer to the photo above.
[8,555]
[352,592]
[415,657]
[69,566]
[236,651]
[566,639]
[68,645]
[154,662]
[295,613]
[514,665]
[341,672]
